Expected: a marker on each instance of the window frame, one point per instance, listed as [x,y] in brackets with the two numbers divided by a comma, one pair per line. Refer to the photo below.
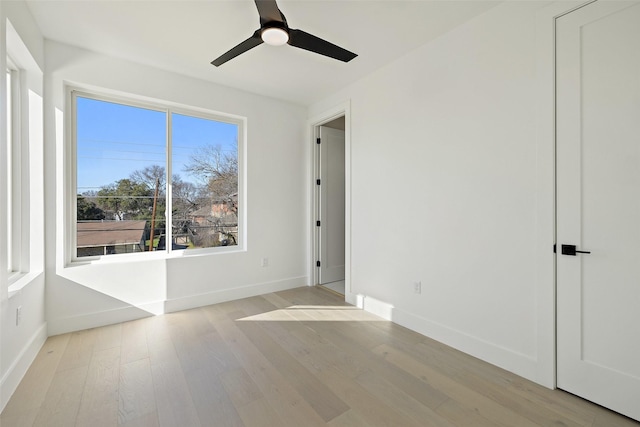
[17,264]
[168,108]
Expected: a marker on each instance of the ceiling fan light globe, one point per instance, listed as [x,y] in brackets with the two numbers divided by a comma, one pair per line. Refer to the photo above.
[275,36]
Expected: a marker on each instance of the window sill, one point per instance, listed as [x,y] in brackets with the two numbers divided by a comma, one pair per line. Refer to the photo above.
[17,281]
[154,256]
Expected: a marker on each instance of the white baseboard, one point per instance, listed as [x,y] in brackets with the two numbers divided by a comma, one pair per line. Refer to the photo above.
[518,363]
[353,299]
[95,320]
[18,368]
[193,301]
[125,314]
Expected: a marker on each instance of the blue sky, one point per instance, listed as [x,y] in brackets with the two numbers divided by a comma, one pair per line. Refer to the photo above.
[114,140]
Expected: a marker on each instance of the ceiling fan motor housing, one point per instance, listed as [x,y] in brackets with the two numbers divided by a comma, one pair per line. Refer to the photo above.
[275,33]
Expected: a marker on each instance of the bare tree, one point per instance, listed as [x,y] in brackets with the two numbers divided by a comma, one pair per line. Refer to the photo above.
[217,169]
[148,176]
[184,194]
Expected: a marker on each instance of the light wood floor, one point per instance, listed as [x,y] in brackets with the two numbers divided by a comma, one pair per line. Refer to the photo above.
[335,287]
[294,358]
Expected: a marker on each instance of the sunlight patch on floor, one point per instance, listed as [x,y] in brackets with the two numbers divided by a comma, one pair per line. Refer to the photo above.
[311,313]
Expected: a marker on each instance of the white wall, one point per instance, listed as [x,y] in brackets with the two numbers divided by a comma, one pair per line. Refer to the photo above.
[81,296]
[19,343]
[446,190]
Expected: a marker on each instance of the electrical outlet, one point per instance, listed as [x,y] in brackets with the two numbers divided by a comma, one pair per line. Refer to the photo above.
[417,287]
[18,315]
[265,262]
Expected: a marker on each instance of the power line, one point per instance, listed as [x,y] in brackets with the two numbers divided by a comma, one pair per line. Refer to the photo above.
[122,151]
[186,147]
[111,158]
[119,142]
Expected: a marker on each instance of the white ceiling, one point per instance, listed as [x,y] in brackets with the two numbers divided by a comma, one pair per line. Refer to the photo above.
[185,36]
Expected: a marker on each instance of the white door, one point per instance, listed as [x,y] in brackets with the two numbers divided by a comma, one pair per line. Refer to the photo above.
[598,204]
[332,196]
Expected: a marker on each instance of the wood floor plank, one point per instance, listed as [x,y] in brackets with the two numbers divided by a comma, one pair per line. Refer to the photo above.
[259,413]
[487,408]
[108,337]
[398,333]
[99,401]
[375,411]
[79,350]
[211,400]
[364,336]
[136,398]
[33,388]
[460,414]
[203,355]
[162,351]
[240,387]
[349,391]
[277,300]
[459,365]
[311,296]
[134,341]
[489,380]
[351,418]
[317,394]
[539,414]
[23,419]
[306,342]
[302,340]
[173,398]
[158,328]
[208,349]
[189,322]
[606,418]
[61,404]
[400,400]
[198,343]
[423,392]
[148,420]
[292,408]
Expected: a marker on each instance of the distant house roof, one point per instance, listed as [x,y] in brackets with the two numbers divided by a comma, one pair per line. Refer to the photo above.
[110,233]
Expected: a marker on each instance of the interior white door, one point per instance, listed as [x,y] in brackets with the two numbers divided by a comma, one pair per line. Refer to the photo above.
[598,204]
[332,205]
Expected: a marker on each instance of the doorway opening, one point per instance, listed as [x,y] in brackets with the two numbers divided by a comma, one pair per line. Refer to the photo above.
[329,203]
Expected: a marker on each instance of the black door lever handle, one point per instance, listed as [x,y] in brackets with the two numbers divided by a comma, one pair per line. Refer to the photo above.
[571,250]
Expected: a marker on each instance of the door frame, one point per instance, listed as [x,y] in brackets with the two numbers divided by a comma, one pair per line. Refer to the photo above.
[314,124]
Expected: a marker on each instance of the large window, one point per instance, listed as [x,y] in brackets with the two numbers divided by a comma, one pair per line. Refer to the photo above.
[153,178]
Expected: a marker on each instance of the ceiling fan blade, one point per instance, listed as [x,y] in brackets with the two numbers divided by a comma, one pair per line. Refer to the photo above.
[249,43]
[269,12]
[299,38]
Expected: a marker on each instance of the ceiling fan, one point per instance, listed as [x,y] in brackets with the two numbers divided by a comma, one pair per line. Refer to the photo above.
[274,30]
